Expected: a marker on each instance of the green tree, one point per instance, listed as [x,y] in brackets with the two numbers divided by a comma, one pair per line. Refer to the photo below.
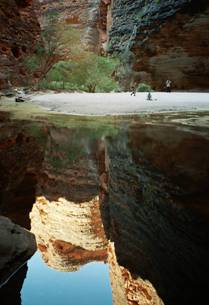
[57,39]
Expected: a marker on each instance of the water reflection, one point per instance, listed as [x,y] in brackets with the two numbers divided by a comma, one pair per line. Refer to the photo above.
[68,234]
[43,285]
[131,196]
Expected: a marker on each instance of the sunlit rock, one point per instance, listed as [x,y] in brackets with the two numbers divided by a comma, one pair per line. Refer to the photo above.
[127,289]
[68,234]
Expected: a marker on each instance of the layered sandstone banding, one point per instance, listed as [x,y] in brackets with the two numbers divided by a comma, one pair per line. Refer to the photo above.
[17,245]
[19,31]
[68,234]
[167,38]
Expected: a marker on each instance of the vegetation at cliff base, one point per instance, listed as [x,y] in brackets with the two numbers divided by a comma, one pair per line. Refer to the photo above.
[92,73]
[60,62]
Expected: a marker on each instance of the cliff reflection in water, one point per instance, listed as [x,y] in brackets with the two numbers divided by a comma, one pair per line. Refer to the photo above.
[70,235]
[125,193]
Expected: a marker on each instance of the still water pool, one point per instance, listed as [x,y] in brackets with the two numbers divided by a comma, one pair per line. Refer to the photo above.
[89,285]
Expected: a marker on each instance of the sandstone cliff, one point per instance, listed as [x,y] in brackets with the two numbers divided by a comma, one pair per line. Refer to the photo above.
[81,14]
[19,31]
[168,39]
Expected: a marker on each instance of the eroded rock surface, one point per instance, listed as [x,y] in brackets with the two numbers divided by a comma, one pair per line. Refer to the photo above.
[19,31]
[167,38]
[82,14]
[68,234]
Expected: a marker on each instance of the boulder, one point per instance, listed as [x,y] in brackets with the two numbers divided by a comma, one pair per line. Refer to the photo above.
[17,245]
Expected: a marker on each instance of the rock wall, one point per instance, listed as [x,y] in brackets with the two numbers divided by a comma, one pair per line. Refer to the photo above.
[168,40]
[19,31]
[82,14]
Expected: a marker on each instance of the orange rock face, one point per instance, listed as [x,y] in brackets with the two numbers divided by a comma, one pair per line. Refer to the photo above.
[19,31]
[68,234]
[128,290]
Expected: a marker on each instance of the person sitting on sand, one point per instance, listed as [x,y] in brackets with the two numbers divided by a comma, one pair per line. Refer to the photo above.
[149,96]
[168,85]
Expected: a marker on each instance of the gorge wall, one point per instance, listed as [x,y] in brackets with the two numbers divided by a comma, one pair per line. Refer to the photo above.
[166,40]
[157,40]
[82,14]
[19,31]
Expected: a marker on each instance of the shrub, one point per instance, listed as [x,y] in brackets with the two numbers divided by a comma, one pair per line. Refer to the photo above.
[144,88]
[92,73]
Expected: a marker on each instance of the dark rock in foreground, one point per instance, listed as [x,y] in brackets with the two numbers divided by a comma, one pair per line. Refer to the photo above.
[17,245]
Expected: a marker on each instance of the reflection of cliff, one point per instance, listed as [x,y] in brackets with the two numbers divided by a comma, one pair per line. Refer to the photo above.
[68,234]
[152,182]
[126,289]
[159,222]
[22,148]
[69,168]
